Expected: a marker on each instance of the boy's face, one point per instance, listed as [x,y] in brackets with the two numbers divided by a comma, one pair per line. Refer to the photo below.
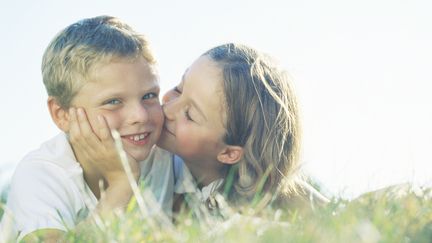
[126,93]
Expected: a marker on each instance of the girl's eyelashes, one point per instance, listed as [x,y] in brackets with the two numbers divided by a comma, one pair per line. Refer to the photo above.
[188,117]
[176,89]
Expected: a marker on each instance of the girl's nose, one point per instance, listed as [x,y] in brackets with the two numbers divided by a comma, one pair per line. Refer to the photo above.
[170,95]
[168,110]
[171,104]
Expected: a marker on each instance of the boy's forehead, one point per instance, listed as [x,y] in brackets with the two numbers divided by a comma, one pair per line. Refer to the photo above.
[130,59]
[115,76]
[94,73]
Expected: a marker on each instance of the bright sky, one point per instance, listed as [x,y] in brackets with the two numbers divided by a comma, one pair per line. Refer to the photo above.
[362,70]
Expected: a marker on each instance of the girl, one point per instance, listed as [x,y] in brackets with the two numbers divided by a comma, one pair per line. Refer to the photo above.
[235,113]
[234,121]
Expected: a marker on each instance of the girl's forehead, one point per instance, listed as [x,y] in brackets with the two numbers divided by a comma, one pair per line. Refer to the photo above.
[207,63]
[202,82]
[205,73]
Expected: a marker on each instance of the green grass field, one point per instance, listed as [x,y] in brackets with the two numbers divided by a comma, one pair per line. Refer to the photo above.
[2,202]
[396,215]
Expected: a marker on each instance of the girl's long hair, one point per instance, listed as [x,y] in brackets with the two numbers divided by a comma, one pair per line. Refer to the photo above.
[262,117]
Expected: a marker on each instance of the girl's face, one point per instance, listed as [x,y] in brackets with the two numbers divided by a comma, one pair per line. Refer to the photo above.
[193,127]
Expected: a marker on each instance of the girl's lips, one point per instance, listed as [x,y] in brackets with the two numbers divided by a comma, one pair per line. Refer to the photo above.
[137,139]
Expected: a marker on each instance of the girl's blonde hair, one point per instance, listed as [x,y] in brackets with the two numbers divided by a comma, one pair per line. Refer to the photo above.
[75,51]
[262,117]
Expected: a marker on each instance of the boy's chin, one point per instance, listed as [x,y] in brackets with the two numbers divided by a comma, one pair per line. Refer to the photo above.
[140,156]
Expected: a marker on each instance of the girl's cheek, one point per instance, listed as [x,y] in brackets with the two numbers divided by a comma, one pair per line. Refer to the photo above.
[182,129]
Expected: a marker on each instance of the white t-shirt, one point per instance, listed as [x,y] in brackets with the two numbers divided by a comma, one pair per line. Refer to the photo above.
[48,188]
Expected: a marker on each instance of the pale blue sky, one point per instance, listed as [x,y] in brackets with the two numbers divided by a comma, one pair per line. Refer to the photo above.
[362,70]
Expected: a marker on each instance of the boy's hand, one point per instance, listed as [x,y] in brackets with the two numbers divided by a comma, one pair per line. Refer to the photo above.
[95,146]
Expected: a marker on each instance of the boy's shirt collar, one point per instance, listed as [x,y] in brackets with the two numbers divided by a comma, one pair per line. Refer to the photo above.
[59,151]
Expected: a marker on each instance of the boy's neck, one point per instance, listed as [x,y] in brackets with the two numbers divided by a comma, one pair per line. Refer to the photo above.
[93,179]
[91,176]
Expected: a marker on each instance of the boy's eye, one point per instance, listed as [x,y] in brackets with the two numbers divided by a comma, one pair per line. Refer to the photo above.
[113,102]
[149,96]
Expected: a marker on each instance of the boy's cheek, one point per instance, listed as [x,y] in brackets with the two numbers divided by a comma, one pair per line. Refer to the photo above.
[94,121]
[158,116]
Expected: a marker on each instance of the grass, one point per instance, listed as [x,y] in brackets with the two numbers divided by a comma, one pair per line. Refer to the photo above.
[387,216]
[397,214]
[2,201]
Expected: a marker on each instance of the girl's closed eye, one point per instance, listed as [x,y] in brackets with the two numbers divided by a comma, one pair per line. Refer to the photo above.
[177,90]
[187,115]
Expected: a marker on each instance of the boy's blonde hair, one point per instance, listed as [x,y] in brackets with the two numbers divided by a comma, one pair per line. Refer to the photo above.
[262,117]
[70,57]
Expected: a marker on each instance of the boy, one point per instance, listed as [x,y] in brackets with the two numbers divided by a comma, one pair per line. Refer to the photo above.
[102,65]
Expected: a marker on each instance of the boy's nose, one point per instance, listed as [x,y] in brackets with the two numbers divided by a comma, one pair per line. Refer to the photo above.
[138,114]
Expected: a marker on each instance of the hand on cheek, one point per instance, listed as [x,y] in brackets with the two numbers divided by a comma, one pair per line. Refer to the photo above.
[94,145]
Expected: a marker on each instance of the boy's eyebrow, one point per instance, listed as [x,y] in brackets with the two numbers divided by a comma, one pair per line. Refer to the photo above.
[153,87]
[116,92]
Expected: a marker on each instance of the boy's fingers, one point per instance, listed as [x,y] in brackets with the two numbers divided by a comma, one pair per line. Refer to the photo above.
[84,124]
[74,130]
[86,130]
[104,131]
[75,135]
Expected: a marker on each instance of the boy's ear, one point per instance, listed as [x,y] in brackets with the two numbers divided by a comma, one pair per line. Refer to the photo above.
[59,114]
[230,154]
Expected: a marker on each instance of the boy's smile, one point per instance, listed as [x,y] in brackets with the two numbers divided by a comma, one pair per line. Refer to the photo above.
[137,139]
[126,93]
